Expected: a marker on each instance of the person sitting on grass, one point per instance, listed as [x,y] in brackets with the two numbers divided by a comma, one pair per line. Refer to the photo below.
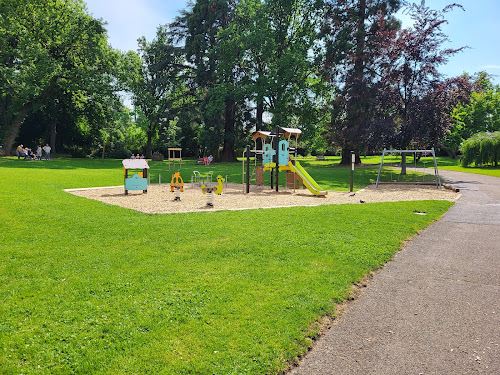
[29,154]
[18,151]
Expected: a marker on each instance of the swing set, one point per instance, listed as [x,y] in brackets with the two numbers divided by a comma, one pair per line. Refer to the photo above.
[417,177]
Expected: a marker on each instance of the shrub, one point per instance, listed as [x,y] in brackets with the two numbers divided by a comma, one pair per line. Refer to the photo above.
[119,152]
[157,156]
[481,149]
[302,151]
[77,152]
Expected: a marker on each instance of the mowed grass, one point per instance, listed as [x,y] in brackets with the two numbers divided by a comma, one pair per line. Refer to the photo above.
[444,163]
[89,288]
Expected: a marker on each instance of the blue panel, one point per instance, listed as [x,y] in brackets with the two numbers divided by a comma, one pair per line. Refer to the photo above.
[136,183]
[268,154]
[283,155]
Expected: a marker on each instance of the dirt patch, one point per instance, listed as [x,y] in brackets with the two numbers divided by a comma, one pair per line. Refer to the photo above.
[159,199]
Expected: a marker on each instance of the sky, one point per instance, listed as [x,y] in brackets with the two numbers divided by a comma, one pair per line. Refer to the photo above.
[476,27]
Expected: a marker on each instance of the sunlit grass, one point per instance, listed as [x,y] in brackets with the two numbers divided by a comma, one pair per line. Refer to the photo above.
[92,288]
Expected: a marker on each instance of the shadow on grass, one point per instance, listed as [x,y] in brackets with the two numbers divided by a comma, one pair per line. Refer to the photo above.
[59,163]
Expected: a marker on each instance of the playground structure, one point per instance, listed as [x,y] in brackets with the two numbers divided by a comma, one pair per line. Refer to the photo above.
[217,189]
[417,179]
[139,180]
[177,185]
[175,154]
[276,157]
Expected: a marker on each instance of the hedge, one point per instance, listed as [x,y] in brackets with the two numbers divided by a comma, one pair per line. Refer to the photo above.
[481,149]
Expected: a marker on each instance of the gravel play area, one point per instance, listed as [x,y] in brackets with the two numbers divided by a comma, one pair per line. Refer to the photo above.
[159,199]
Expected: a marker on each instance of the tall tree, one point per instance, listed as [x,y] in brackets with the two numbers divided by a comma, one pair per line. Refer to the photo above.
[419,99]
[46,44]
[154,78]
[289,64]
[480,114]
[351,63]
[201,28]
[269,47]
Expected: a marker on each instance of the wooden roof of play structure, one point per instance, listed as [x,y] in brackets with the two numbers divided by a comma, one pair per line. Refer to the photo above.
[260,134]
[286,132]
[135,164]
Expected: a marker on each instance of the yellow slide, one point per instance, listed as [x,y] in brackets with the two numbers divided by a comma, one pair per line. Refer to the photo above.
[308,180]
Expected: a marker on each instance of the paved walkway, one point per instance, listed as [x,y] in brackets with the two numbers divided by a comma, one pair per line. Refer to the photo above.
[434,309]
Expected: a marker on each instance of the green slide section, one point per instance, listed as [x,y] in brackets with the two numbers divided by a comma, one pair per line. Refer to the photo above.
[308,180]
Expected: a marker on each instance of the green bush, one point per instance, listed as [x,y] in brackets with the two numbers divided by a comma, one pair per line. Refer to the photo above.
[77,152]
[481,149]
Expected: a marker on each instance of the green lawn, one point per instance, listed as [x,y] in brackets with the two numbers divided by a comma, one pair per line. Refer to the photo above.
[454,165]
[445,163]
[89,288]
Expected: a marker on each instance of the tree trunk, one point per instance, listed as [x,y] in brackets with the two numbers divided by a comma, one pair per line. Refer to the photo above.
[53,133]
[103,151]
[149,146]
[356,113]
[260,116]
[346,156]
[13,131]
[403,163]
[228,153]
[18,120]
[359,63]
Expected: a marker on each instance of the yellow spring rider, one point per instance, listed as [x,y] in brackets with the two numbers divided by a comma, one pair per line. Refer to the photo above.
[214,189]
[177,185]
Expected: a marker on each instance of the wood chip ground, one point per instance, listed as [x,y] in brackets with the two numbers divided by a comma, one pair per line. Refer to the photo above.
[160,200]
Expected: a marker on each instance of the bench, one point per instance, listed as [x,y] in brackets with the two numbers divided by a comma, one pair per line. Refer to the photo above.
[320,157]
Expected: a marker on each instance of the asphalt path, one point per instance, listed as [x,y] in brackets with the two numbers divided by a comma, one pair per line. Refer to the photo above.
[433,309]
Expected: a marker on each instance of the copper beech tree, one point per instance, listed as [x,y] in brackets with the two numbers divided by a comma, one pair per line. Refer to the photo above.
[413,95]
[391,92]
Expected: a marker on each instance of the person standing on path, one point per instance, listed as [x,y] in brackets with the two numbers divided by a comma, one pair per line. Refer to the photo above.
[47,149]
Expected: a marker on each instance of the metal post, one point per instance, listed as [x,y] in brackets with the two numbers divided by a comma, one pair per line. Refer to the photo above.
[125,181]
[380,169]
[436,172]
[248,169]
[353,159]
[277,147]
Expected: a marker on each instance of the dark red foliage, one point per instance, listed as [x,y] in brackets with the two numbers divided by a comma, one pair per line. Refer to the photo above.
[392,92]
[411,88]
[350,32]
